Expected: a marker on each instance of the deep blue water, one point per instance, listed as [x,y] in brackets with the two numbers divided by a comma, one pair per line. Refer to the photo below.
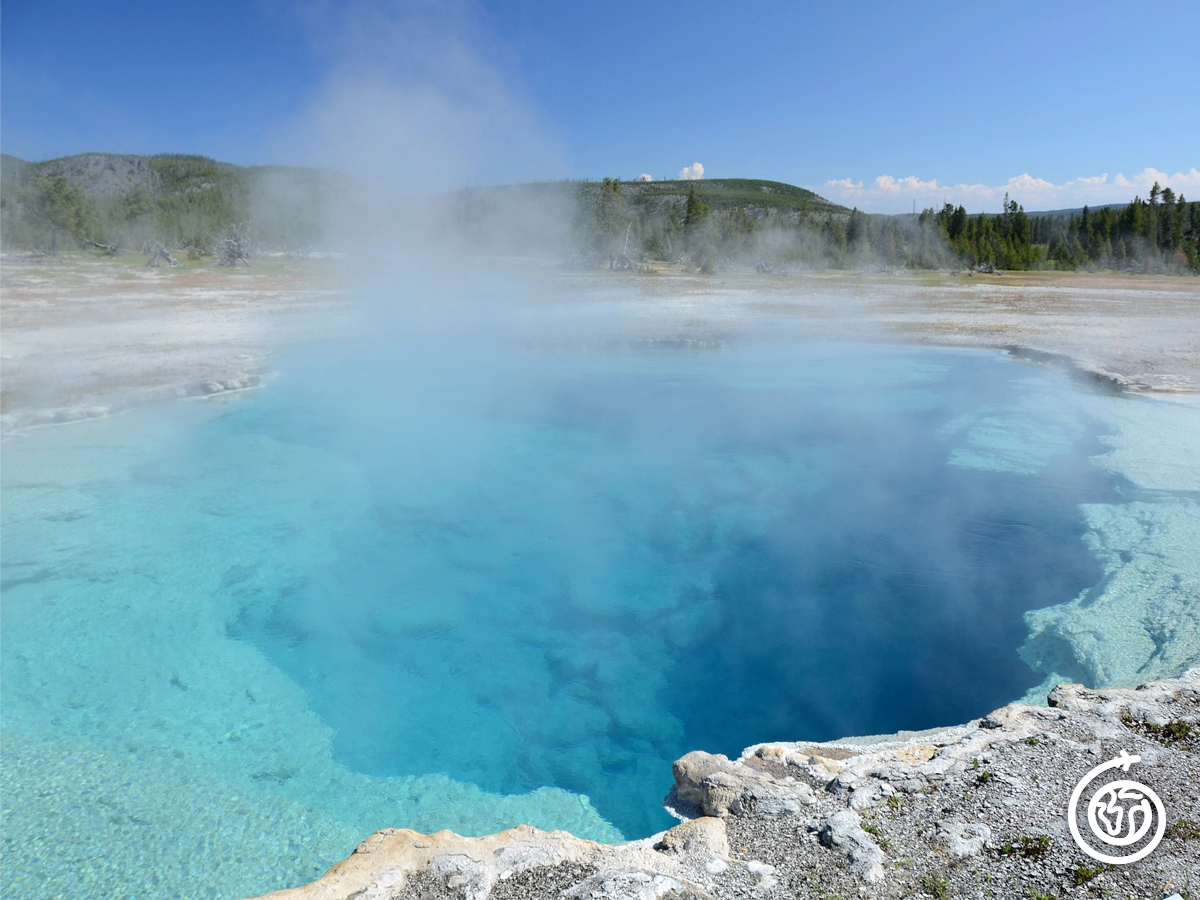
[568,571]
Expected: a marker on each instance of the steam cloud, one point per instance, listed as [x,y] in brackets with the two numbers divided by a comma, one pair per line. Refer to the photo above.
[416,101]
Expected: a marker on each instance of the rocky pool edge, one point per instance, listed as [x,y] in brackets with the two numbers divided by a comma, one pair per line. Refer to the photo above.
[978,809]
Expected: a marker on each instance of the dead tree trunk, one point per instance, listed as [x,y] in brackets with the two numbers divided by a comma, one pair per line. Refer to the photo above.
[107,249]
[231,245]
[160,254]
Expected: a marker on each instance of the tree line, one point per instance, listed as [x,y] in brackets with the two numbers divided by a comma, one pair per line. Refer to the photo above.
[1161,234]
[703,229]
[1158,235]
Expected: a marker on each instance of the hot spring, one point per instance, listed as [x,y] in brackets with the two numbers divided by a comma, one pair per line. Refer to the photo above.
[240,636]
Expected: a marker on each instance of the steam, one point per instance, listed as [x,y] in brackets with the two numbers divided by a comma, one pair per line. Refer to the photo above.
[694,172]
[415,104]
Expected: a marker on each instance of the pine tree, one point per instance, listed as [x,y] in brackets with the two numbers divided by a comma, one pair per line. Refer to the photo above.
[610,216]
[55,206]
[696,232]
[696,210]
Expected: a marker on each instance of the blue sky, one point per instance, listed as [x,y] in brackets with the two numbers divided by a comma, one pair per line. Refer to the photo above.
[876,104]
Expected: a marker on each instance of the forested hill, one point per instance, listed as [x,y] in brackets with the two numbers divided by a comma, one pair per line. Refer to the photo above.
[725,223]
[183,201]
[721,194]
[188,202]
[699,222]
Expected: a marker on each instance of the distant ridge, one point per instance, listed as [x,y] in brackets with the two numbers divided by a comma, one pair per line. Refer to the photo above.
[727,193]
[1078,211]
[186,197]
[751,195]
[117,174]
[108,174]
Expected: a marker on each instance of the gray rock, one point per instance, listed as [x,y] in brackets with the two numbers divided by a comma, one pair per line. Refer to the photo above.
[624,886]
[765,873]
[691,772]
[773,799]
[717,787]
[843,831]
[719,792]
[700,837]
[468,878]
[963,840]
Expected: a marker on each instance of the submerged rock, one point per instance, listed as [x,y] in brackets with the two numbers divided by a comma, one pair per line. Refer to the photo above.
[948,812]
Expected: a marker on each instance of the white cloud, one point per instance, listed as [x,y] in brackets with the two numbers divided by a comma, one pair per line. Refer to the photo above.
[694,172]
[1028,184]
[645,177]
[1179,182]
[888,193]
[910,183]
[845,186]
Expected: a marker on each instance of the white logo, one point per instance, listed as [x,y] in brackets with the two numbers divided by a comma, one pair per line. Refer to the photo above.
[1113,822]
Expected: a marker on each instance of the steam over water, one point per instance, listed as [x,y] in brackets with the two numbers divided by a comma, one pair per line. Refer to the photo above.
[476,600]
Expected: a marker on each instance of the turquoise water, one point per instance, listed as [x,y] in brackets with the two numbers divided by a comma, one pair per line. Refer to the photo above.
[512,592]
